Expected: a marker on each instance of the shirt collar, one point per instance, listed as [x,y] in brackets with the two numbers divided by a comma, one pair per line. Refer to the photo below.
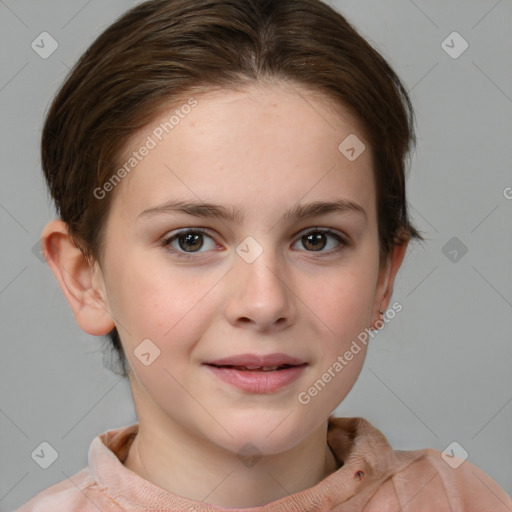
[362,451]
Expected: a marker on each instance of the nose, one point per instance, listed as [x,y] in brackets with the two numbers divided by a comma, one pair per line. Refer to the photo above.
[260,294]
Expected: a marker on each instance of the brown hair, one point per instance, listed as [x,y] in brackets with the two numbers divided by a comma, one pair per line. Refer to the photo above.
[160,51]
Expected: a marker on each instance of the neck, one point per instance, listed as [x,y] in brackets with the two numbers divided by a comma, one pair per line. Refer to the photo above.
[197,470]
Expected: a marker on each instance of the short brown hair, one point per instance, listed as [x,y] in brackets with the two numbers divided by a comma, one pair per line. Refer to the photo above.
[162,50]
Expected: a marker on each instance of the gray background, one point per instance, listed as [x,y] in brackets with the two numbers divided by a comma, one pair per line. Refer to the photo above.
[439,372]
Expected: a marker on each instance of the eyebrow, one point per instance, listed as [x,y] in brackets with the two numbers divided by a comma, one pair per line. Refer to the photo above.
[300,211]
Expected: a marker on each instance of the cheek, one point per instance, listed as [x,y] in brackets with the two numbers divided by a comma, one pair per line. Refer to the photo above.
[152,302]
[343,305]
[344,299]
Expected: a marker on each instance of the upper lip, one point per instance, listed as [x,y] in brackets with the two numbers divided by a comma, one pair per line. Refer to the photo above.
[256,360]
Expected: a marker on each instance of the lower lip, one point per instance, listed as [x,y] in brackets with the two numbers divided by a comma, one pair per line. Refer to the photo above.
[258,381]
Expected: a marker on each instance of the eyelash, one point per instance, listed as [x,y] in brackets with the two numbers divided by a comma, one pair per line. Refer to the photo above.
[167,241]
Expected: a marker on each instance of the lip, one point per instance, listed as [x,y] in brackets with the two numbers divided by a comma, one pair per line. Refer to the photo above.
[257,380]
[276,359]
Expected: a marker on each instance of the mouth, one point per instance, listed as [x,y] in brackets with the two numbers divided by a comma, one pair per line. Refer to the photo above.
[258,374]
[257,368]
[257,361]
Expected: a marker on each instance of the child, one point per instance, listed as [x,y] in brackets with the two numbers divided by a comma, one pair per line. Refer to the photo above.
[230,181]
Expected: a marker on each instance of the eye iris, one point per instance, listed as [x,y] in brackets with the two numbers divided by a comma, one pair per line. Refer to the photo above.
[191,241]
[314,238]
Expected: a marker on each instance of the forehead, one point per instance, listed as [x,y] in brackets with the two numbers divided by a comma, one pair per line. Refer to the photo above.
[264,144]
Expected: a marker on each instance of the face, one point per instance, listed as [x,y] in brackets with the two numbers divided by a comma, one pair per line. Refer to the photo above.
[187,288]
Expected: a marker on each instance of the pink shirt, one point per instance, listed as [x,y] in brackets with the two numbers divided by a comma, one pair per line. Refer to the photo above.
[372,477]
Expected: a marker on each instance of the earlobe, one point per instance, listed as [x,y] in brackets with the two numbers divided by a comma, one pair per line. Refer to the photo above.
[84,292]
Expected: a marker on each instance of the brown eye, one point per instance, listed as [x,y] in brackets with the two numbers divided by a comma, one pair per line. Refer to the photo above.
[187,243]
[316,240]
[190,241]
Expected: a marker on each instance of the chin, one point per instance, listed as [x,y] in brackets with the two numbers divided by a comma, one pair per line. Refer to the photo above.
[268,433]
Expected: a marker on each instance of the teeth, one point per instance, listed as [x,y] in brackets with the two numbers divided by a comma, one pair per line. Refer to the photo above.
[262,368]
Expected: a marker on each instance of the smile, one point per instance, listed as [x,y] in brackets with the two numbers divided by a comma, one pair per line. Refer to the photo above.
[258,379]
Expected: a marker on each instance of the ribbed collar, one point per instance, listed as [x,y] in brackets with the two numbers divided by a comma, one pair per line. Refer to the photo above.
[365,456]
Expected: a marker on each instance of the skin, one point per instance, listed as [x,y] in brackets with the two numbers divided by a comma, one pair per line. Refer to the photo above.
[264,150]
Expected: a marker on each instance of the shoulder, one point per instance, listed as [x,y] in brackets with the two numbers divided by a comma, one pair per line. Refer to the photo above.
[414,480]
[91,489]
[77,492]
[445,482]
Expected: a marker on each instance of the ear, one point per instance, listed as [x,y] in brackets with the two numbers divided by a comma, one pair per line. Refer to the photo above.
[386,279]
[81,282]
